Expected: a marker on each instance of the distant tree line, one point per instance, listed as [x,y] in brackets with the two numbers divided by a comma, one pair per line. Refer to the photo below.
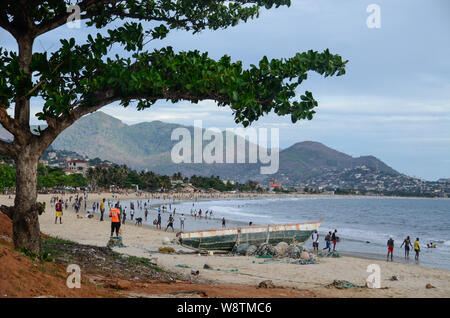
[48,177]
[126,178]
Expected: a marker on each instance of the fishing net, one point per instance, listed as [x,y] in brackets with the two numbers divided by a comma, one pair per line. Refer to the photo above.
[343,284]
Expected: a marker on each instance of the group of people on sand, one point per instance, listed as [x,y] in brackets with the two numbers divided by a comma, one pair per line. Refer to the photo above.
[408,246]
[330,238]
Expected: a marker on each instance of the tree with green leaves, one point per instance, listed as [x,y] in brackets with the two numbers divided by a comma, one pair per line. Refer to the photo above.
[80,78]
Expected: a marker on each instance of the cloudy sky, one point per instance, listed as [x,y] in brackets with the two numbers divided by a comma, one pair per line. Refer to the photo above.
[393,103]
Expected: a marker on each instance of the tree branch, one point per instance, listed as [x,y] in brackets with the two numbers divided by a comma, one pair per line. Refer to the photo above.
[7,122]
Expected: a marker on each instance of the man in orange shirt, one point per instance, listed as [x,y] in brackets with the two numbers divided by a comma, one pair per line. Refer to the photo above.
[114,213]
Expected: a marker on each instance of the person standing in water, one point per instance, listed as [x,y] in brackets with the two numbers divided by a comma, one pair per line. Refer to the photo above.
[223,222]
[407,243]
[417,249]
[390,245]
[181,221]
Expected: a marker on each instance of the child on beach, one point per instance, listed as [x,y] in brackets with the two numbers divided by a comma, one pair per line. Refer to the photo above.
[59,213]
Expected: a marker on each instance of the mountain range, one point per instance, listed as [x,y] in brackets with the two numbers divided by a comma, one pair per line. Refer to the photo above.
[148,145]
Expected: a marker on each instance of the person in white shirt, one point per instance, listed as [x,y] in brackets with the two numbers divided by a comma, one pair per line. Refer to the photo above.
[315,239]
[182,221]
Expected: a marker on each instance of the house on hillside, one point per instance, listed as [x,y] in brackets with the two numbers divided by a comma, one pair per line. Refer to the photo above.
[78,166]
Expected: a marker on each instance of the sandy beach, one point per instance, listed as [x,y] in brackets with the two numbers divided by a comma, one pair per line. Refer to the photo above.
[145,241]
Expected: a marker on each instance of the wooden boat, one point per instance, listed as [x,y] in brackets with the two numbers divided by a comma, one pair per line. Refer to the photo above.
[226,238]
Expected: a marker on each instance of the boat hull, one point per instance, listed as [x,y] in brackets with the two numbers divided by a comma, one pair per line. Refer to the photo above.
[226,239]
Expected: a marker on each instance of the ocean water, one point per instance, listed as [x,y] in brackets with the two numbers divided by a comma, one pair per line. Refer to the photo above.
[363,224]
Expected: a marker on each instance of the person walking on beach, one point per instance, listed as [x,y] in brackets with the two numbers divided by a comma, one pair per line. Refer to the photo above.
[114,213]
[327,242]
[417,249]
[170,224]
[334,238]
[158,223]
[59,213]
[124,215]
[407,243]
[390,245]
[182,221]
[146,213]
[102,209]
[315,239]
[223,222]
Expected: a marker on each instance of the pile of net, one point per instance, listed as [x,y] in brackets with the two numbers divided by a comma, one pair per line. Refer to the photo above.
[343,284]
[295,253]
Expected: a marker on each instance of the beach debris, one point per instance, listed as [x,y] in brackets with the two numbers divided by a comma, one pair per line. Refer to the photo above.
[166,249]
[281,248]
[304,255]
[329,254]
[166,241]
[343,284]
[182,266]
[206,266]
[115,241]
[120,263]
[194,272]
[266,284]
[428,286]
[393,278]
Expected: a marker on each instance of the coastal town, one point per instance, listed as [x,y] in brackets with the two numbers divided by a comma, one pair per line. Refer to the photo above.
[359,180]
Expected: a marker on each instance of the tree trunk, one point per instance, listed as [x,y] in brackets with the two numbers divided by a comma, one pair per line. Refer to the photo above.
[26,231]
